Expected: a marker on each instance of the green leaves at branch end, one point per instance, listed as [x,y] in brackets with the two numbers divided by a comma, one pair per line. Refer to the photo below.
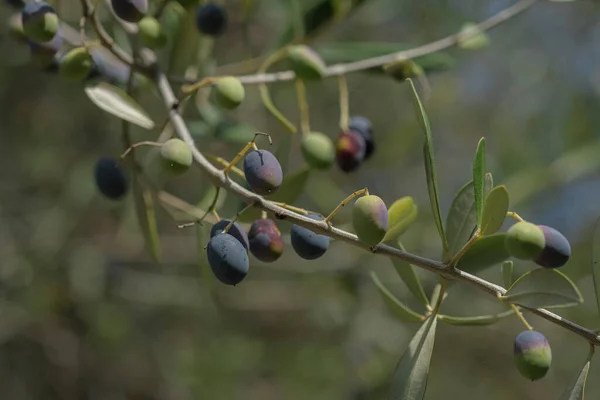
[596,261]
[485,252]
[401,214]
[494,210]
[144,206]
[479,320]
[118,103]
[462,219]
[472,37]
[577,389]
[543,288]
[399,309]
[429,165]
[479,180]
[410,377]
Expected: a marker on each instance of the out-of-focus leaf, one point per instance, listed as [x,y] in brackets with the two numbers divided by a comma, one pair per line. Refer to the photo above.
[576,390]
[407,273]
[396,306]
[543,288]
[209,197]
[479,320]
[118,103]
[596,261]
[476,39]
[295,15]
[507,273]
[479,179]
[202,238]
[144,207]
[234,133]
[292,187]
[401,214]
[284,149]
[429,165]
[462,219]
[409,381]
[494,210]
[317,17]
[485,252]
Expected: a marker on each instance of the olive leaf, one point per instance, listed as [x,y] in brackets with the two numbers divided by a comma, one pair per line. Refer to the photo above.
[494,210]
[429,165]
[292,187]
[485,252]
[472,37]
[401,214]
[409,381]
[576,390]
[117,102]
[283,153]
[462,220]
[208,198]
[543,288]
[407,273]
[479,179]
[507,273]
[399,309]
[479,320]
[144,206]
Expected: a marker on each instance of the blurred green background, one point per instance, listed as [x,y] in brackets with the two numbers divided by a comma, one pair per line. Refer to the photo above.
[86,313]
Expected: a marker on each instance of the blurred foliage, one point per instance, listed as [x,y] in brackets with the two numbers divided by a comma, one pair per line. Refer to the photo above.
[87,314]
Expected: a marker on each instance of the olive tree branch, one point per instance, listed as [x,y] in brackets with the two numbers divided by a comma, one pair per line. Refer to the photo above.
[429,48]
[443,270]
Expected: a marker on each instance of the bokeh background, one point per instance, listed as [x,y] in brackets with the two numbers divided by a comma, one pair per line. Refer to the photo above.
[87,313]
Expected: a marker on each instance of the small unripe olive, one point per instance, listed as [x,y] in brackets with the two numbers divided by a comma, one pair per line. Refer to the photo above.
[525,241]
[40,22]
[176,155]
[318,150]
[151,33]
[76,64]
[229,92]
[306,63]
[370,219]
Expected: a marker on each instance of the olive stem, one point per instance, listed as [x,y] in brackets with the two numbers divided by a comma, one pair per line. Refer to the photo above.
[138,144]
[292,208]
[465,248]
[211,208]
[246,148]
[188,90]
[361,192]
[237,216]
[224,163]
[440,296]
[303,106]
[344,103]
[515,216]
[521,317]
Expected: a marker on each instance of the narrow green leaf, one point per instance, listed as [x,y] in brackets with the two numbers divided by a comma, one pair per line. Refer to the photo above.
[485,252]
[396,306]
[494,210]
[410,377]
[596,261]
[476,39]
[292,187]
[479,179]
[462,218]
[118,103]
[429,165]
[144,206]
[543,288]
[576,390]
[479,320]
[401,214]
[507,273]
[407,273]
